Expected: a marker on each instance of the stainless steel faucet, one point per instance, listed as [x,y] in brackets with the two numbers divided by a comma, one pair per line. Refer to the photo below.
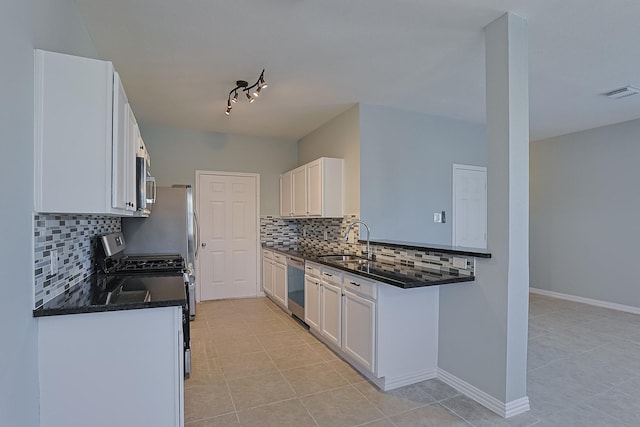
[350,226]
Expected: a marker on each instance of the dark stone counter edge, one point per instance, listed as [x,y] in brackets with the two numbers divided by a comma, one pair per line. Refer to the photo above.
[405,284]
[455,250]
[44,312]
[408,284]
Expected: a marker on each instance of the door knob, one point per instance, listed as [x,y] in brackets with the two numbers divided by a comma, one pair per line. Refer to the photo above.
[204,244]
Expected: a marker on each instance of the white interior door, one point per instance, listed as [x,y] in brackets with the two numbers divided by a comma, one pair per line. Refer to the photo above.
[469,206]
[228,210]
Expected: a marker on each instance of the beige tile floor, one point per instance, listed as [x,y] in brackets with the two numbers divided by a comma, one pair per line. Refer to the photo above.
[255,366]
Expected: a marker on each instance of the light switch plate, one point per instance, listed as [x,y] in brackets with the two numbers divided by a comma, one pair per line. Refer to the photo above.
[437,217]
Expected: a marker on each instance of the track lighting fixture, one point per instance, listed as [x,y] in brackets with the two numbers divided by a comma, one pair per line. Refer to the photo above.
[243,85]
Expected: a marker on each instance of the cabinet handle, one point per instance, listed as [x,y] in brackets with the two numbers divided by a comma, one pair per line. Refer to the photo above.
[355,284]
[328,275]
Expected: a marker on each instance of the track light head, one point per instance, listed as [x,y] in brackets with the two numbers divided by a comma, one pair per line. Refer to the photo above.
[250,98]
[235,96]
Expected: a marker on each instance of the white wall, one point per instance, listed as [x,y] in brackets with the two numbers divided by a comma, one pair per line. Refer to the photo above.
[177,153]
[54,25]
[339,138]
[585,210]
[406,167]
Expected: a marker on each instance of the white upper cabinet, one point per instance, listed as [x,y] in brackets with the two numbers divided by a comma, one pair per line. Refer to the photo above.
[125,147]
[313,190]
[299,178]
[80,123]
[286,194]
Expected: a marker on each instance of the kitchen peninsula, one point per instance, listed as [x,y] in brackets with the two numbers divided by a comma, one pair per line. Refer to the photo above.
[379,315]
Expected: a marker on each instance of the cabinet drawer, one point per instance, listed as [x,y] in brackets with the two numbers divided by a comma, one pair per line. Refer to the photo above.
[267,254]
[360,286]
[331,276]
[279,258]
[312,270]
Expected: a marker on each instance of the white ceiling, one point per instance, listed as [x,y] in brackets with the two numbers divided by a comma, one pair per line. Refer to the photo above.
[180,59]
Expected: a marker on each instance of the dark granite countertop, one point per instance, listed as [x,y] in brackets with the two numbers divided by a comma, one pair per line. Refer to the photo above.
[428,247]
[400,275]
[100,293]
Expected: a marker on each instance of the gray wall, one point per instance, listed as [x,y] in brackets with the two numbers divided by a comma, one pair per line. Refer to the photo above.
[584,213]
[54,25]
[177,153]
[406,161]
[339,138]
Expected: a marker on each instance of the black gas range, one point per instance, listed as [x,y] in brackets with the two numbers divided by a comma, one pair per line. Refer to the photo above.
[132,270]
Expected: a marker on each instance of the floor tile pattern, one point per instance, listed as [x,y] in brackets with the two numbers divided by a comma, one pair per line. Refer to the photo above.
[253,365]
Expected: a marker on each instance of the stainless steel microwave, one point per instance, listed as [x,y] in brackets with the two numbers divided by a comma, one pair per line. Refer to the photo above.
[145,186]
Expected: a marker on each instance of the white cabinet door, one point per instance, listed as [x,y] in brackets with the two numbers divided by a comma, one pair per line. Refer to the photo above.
[359,329]
[314,188]
[267,276]
[121,135]
[129,162]
[331,308]
[299,179]
[280,283]
[286,196]
[312,302]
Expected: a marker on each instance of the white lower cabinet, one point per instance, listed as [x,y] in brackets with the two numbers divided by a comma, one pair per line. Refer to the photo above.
[331,309]
[359,329]
[116,368]
[268,271]
[280,279]
[312,301]
[387,333]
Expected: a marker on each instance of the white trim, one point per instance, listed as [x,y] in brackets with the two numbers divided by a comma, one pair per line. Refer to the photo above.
[506,410]
[597,303]
[258,260]
[391,383]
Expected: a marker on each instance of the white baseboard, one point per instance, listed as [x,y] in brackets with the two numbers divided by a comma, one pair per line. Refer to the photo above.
[597,303]
[391,383]
[506,410]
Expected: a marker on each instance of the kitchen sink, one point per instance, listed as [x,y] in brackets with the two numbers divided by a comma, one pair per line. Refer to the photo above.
[343,258]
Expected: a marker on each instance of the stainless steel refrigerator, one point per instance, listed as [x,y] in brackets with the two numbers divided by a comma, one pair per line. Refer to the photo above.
[171,228]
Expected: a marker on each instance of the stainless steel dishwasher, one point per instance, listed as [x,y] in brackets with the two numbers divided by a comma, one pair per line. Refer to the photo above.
[295,284]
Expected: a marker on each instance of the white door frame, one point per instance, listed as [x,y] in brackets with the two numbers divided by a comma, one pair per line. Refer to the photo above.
[453,194]
[256,176]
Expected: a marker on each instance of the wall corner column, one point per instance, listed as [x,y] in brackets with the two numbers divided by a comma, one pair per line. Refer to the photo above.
[484,325]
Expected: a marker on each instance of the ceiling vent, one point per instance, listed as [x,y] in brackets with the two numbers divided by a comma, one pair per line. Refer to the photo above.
[623,92]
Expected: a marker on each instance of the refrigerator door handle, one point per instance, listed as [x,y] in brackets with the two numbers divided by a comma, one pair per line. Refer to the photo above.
[197,232]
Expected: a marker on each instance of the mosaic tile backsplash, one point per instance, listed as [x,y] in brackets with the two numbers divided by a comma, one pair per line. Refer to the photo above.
[73,237]
[326,235]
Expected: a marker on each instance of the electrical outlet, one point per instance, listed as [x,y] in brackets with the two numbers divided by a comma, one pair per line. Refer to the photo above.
[53,262]
[459,262]
[437,217]
[326,235]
